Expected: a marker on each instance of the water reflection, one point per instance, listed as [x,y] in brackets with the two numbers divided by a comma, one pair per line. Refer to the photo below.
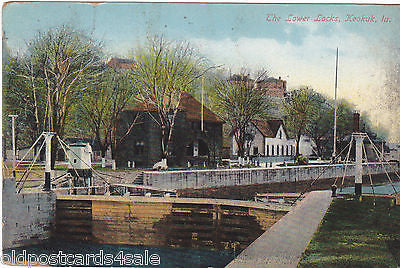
[64,253]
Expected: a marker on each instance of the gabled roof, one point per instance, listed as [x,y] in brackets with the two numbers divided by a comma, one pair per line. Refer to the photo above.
[192,107]
[268,128]
[189,105]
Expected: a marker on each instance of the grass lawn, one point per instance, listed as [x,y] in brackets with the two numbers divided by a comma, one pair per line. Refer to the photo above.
[356,234]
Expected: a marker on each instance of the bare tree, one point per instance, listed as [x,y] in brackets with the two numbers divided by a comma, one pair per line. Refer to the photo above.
[22,96]
[102,105]
[163,72]
[57,67]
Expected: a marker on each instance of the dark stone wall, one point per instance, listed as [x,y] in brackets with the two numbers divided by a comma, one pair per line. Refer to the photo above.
[143,144]
[186,133]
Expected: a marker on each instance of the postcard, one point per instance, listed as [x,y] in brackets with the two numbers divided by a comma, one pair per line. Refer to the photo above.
[207,134]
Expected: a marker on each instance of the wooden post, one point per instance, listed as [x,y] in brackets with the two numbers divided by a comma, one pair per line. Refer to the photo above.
[13,144]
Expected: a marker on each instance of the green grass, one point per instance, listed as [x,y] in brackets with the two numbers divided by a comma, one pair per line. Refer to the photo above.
[356,234]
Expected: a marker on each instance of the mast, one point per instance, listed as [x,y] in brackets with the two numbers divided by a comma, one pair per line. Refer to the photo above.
[335,119]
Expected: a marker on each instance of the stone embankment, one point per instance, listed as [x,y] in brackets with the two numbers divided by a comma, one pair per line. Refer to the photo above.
[28,218]
[197,179]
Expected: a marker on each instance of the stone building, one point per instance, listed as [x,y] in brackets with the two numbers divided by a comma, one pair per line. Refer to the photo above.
[270,87]
[189,143]
[273,87]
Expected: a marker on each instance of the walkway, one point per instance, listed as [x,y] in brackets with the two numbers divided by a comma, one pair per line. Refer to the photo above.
[283,244]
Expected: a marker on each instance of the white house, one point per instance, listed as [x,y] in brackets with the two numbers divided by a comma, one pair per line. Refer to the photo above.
[270,141]
[307,146]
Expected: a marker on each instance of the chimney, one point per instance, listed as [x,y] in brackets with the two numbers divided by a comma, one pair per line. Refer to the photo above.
[356,121]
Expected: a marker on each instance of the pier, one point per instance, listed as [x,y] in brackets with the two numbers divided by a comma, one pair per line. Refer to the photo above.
[283,244]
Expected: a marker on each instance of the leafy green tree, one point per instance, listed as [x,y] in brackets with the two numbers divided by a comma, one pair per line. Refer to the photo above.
[238,101]
[163,72]
[301,108]
[344,123]
[321,126]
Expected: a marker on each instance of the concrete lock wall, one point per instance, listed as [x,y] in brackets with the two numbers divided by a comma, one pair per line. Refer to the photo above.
[229,177]
[27,218]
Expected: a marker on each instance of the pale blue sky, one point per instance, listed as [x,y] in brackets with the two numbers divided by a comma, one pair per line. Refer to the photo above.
[238,35]
[130,22]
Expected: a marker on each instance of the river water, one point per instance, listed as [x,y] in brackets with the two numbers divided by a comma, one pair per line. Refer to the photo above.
[62,253]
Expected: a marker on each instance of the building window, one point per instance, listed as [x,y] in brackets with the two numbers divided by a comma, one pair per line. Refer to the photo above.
[267,152]
[189,149]
[139,147]
[255,150]
[272,150]
[287,149]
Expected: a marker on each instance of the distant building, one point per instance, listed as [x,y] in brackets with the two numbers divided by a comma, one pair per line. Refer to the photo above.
[270,87]
[270,141]
[393,153]
[189,143]
[273,87]
[118,63]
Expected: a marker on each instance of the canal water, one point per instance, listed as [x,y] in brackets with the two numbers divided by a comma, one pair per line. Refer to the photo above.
[386,189]
[62,253]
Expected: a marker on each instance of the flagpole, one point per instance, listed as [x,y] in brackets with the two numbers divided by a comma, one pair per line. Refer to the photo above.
[202,104]
[335,119]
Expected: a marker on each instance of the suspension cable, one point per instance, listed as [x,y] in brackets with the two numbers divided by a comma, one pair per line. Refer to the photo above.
[383,158]
[26,173]
[320,174]
[29,150]
[380,158]
[368,171]
[345,164]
